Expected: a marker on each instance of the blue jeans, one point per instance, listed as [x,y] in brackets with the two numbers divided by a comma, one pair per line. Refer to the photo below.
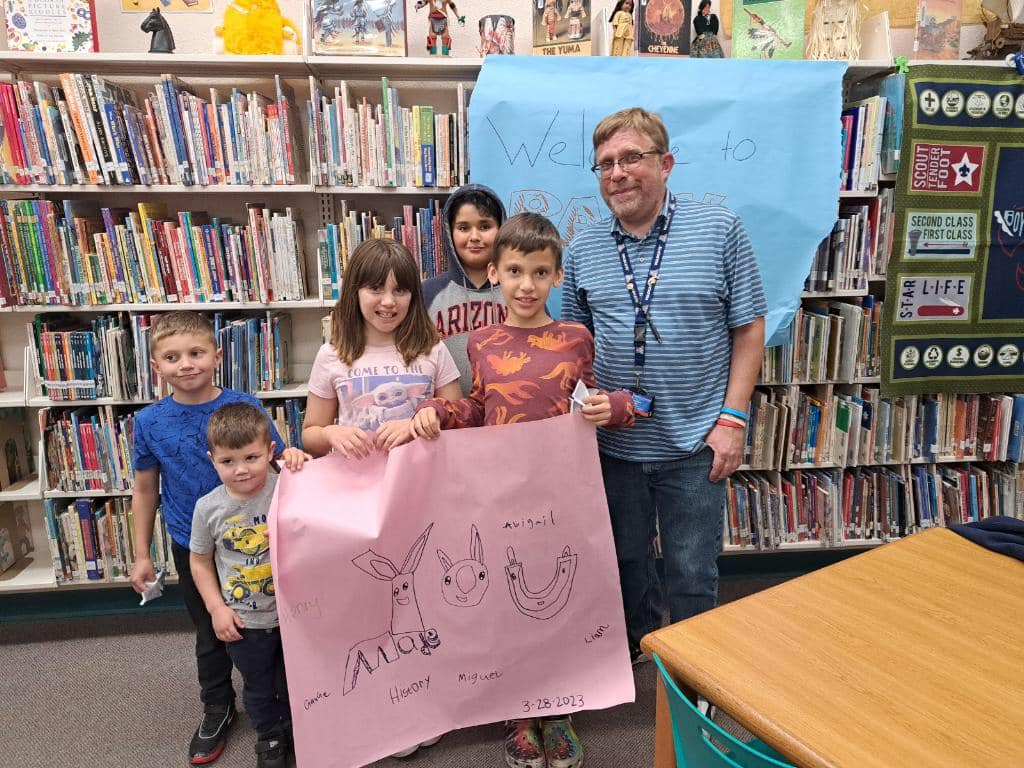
[258,656]
[688,508]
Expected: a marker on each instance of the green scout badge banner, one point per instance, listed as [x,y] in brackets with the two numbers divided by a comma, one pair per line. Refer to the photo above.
[954,309]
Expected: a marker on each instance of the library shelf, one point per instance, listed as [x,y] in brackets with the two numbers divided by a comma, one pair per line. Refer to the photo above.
[372,191]
[857,193]
[853,293]
[409,68]
[84,494]
[157,189]
[203,306]
[33,573]
[12,398]
[154,64]
[23,490]
[801,546]
[45,402]
[296,389]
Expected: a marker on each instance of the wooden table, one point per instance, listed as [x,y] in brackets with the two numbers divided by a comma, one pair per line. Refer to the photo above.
[907,656]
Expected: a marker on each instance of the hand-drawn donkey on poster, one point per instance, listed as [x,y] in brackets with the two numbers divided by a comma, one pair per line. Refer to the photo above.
[407,633]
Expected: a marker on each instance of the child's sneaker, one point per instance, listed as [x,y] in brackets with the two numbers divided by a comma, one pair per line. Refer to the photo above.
[208,740]
[271,753]
[561,744]
[523,745]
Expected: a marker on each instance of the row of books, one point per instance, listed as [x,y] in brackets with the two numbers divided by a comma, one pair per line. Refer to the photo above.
[255,351]
[770,510]
[789,426]
[834,341]
[76,253]
[385,144]
[863,124]
[91,131]
[287,416]
[109,355]
[858,248]
[87,449]
[92,540]
[418,229]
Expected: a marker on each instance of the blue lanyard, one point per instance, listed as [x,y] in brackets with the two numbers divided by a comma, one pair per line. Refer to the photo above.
[642,304]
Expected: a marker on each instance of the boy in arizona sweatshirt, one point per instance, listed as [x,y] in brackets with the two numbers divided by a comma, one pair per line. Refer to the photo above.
[463,298]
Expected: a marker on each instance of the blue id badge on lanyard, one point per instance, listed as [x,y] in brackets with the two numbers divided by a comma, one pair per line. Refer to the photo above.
[643,401]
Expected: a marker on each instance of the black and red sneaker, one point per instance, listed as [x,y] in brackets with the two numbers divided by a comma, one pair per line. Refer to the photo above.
[209,739]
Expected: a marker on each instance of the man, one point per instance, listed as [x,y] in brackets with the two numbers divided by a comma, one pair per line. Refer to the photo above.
[672,293]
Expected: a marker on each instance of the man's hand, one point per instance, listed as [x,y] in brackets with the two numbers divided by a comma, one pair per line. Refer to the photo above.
[226,624]
[727,443]
[598,409]
[293,458]
[426,424]
[350,442]
[393,434]
[142,572]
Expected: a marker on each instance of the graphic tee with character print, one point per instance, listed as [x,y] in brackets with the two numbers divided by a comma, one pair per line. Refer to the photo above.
[379,386]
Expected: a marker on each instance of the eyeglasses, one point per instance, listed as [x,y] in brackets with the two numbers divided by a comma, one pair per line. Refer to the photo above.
[626,163]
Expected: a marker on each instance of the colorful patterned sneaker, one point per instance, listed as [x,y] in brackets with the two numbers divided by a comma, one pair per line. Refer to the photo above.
[561,744]
[209,739]
[523,746]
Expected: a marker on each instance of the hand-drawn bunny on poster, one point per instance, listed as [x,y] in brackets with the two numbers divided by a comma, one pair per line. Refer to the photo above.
[407,632]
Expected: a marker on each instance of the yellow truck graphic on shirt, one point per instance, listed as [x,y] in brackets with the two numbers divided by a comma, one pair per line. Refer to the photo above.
[247,538]
[248,580]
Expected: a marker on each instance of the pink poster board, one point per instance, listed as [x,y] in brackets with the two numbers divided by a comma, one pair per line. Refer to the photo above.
[455,582]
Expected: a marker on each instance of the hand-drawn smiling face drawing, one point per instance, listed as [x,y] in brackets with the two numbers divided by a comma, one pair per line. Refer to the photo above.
[465,582]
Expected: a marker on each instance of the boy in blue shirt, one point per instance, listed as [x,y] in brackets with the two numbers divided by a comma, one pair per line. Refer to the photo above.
[170,454]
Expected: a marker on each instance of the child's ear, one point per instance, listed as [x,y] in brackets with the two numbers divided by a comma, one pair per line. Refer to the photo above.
[492,272]
[273,445]
[559,274]
[218,357]
[210,457]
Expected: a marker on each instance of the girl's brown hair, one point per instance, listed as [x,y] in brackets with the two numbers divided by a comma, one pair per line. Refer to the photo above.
[369,266]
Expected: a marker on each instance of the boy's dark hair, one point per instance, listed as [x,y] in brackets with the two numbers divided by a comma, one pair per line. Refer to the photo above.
[528,232]
[178,323]
[483,202]
[235,426]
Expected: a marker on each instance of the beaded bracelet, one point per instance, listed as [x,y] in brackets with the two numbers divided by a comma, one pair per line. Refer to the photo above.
[733,424]
[734,412]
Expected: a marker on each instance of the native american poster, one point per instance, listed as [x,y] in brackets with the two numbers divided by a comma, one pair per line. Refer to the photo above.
[664,28]
[768,29]
[465,580]
[954,305]
[561,27]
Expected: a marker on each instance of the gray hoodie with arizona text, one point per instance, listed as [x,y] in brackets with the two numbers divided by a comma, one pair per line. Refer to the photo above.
[454,304]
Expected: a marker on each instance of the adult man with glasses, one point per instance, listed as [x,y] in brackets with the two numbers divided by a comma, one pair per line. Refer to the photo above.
[671,290]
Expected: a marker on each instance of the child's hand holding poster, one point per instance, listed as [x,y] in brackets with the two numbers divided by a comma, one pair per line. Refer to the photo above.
[455,582]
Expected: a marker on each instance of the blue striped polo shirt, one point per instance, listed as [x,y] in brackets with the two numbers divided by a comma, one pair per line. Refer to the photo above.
[709,283]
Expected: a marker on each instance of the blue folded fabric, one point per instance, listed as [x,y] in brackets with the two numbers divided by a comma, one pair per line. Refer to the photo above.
[1001,534]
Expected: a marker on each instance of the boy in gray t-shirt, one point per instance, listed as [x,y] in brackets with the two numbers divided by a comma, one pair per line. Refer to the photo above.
[229,526]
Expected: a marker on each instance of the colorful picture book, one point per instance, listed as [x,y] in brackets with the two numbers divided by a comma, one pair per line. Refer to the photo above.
[51,25]
[664,27]
[358,27]
[561,27]
[768,29]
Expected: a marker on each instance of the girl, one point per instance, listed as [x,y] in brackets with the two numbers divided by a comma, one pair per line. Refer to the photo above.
[384,357]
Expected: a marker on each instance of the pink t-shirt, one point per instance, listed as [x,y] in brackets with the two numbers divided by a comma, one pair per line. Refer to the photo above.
[379,386]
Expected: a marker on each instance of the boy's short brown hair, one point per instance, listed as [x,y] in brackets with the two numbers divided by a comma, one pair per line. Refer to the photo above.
[179,323]
[645,123]
[528,233]
[235,426]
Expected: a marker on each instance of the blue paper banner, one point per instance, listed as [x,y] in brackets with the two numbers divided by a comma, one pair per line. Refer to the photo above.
[760,137]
